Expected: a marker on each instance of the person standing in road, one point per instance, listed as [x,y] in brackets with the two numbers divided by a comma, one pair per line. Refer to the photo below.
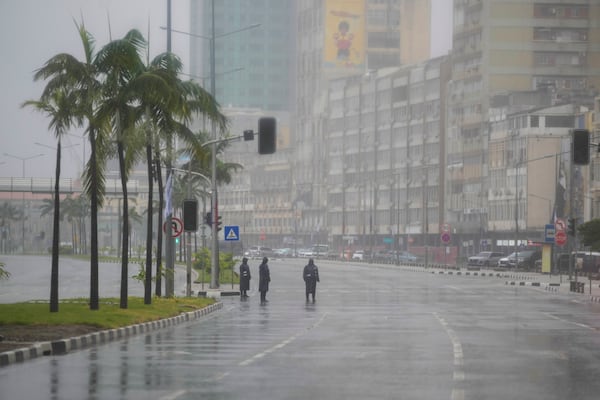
[244,278]
[264,277]
[311,277]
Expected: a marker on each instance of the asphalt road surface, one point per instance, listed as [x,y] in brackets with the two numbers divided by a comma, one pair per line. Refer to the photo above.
[373,333]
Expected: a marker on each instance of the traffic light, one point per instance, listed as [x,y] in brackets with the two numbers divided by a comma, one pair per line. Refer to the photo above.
[208,218]
[219,222]
[267,128]
[190,215]
[580,148]
[571,226]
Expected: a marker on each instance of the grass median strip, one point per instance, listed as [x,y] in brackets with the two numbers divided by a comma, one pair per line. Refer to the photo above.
[30,322]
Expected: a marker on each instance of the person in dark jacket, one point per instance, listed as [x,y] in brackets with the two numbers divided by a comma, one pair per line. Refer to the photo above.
[264,277]
[311,277]
[244,278]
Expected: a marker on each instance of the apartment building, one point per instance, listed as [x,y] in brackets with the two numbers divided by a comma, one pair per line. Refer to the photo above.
[385,141]
[339,39]
[504,46]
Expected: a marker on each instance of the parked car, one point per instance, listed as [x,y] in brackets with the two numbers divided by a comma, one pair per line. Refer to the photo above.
[402,257]
[358,255]
[305,253]
[259,251]
[522,259]
[284,252]
[485,259]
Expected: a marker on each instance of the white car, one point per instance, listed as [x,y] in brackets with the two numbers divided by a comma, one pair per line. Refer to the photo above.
[358,255]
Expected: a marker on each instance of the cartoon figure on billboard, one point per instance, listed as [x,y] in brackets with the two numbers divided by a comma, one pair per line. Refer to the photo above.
[343,40]
[345,34]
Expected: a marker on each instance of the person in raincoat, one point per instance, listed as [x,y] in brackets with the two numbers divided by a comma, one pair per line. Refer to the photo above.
[311,277]
[244,278]
[264,277]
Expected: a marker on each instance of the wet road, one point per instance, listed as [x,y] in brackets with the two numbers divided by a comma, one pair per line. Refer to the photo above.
[374,333]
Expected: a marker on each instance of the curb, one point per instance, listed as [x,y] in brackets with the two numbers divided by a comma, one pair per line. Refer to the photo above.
[64,346]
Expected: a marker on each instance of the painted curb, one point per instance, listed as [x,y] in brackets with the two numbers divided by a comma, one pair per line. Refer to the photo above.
[63,346]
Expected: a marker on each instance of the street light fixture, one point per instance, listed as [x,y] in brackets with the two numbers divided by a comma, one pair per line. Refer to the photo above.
[23,160]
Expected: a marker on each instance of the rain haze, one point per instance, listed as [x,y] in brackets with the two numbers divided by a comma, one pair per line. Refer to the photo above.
[34,31]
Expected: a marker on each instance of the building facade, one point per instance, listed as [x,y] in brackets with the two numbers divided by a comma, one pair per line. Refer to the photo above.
[504,46]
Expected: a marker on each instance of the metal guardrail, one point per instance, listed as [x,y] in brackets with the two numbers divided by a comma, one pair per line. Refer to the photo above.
[36,185]
[66,185]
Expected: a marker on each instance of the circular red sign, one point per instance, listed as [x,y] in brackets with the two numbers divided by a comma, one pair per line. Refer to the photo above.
[560,238]
[177,225]
[445,236]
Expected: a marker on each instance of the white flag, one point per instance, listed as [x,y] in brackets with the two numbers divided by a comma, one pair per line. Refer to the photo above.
[168,194]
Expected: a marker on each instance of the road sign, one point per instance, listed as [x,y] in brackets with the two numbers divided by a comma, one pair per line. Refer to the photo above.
[177,225]
[446,228]
[232,232]
[560,238]
[445,237]
[560,225]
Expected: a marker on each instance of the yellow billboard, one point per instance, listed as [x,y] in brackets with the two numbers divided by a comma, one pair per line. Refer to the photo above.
[345,30]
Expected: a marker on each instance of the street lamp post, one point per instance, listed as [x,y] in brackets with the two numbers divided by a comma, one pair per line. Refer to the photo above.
[23,160]
[188,244]
[214,280]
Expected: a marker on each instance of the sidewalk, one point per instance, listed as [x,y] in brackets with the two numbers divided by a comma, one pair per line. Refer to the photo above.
[580,285]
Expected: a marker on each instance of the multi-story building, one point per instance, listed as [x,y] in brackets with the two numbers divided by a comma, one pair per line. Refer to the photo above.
[338,39]
[592,209]
[384,144]
[529,172]
[506,45]
[254,65]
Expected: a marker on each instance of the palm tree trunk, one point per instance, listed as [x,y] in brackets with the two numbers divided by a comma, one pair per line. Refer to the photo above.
[125,229]
[94,300]
[159,238]
[150,217]
[55,235]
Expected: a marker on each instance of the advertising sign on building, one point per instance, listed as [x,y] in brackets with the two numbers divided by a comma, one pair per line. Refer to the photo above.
[345,31]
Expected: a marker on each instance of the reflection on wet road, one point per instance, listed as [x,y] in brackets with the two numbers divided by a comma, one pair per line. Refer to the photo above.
[373,333]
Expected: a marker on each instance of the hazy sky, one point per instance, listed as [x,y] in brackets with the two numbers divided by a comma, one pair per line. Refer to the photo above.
[32,31]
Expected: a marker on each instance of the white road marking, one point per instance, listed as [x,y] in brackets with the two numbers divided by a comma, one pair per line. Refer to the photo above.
[459,374]
[174,395]
[280,345]
[571,322]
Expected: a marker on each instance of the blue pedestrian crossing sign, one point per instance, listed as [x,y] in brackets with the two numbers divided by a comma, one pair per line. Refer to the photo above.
[232,232]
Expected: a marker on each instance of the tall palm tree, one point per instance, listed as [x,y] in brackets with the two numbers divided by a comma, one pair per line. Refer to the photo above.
[171,118]
[58,105]
[82,80]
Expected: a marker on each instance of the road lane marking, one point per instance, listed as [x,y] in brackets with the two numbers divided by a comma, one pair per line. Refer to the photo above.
[281,344]
[174,395]
[458,375]
[571,322]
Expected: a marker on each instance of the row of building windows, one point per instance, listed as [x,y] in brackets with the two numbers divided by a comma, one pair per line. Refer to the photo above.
[564,35]
[559,10]
[559,59]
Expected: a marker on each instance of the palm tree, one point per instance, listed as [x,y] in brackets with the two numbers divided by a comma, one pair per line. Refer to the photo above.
[81,80]
[57,104]
[170,118]
[122,65]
